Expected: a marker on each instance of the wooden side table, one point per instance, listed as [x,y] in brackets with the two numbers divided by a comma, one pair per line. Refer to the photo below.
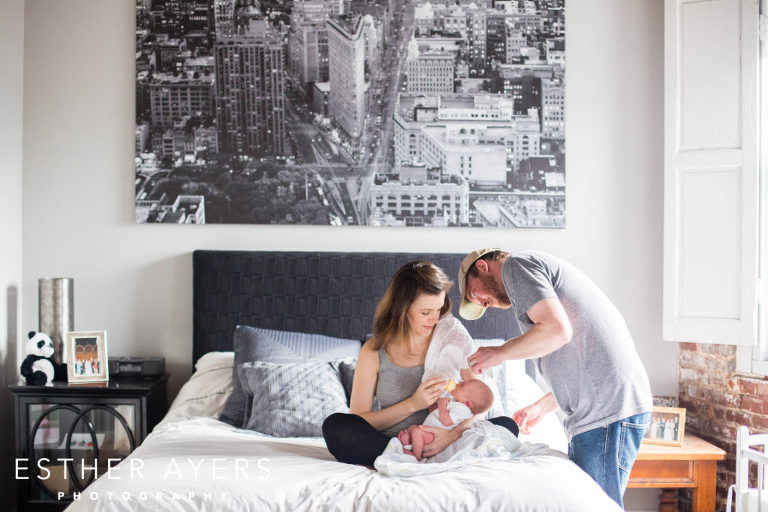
[693,465]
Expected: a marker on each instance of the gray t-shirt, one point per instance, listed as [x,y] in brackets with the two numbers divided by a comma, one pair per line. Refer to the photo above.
[598,377]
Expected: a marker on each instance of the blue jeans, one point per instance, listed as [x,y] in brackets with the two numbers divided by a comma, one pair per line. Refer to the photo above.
[608,453]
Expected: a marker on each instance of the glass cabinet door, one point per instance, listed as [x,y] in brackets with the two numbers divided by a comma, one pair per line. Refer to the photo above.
[88,434]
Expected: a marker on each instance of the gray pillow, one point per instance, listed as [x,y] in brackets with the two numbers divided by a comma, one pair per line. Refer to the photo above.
[347,374]
[254,344]
[292,399]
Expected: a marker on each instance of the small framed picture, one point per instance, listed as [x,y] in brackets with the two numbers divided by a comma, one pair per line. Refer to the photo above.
[87,356]
[667,426]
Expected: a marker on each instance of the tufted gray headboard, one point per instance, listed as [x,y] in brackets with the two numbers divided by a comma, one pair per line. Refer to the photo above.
[323,293]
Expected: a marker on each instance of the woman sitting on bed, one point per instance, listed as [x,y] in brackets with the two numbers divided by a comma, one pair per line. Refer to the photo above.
[390,368]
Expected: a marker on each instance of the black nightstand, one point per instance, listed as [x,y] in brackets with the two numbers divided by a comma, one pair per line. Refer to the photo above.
[83,422]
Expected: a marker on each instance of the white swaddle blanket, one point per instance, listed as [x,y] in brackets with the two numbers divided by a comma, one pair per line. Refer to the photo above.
[449,349]
[483,441]
[447,355]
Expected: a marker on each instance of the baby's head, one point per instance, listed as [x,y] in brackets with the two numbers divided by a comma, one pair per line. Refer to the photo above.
[475,394]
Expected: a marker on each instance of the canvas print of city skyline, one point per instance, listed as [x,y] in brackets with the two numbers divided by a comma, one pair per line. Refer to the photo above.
[351,112]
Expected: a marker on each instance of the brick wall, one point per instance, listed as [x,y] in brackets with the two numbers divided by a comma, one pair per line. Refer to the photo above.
[718,402]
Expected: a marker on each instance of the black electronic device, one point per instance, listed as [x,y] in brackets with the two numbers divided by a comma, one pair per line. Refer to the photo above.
[136,367]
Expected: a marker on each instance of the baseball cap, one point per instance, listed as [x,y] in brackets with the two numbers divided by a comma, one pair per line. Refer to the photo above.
[467,309]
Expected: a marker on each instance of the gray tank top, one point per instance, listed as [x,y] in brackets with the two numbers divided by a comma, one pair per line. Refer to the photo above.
[395,384]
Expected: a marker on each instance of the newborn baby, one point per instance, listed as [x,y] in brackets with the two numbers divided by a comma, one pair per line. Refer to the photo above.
[468,398]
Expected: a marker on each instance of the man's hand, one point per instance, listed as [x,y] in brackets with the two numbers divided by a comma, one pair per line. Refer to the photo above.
[443,437]
[527,417]
[486,357]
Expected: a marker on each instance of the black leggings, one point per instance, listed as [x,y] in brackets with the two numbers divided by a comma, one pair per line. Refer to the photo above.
[353,440]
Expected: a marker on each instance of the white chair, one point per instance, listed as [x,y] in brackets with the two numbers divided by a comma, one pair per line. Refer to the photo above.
[744,497]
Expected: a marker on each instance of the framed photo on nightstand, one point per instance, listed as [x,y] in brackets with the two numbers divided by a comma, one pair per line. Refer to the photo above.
[86,356]
[667,426]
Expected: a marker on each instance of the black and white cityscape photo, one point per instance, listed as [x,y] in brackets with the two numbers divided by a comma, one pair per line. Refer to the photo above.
[351,112]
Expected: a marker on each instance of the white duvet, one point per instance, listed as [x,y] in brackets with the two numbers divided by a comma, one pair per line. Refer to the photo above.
[203,464]
[192,462]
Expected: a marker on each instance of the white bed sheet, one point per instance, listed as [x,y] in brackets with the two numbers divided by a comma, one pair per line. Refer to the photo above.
[300,475]
[193,462]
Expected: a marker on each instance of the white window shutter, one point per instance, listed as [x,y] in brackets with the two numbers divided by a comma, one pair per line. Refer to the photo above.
[711,194]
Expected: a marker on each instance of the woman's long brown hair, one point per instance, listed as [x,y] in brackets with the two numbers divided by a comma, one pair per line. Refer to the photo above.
[390,323]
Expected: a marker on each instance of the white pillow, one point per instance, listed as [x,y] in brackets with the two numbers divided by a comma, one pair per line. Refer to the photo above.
[206,391]
[212,359]
[520,390]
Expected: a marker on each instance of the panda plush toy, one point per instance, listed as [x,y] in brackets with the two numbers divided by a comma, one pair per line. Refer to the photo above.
[37,368]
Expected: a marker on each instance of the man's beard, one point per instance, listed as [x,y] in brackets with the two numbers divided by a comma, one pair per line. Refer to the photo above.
[497,290]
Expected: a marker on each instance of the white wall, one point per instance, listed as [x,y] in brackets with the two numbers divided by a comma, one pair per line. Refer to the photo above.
[135,281]
[11,94]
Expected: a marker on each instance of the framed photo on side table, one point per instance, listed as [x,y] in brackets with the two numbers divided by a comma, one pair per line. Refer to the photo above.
[86,356]
[667,426]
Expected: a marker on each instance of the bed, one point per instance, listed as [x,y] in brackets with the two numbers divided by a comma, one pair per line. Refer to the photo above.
[193,461]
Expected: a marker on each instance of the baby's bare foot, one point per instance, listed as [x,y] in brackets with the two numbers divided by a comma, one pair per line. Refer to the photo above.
[404,437]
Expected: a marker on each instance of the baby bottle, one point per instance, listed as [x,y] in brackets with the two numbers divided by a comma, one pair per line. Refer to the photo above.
[449,377]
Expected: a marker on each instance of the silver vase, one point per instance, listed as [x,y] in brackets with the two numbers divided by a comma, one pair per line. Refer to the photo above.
[56,297]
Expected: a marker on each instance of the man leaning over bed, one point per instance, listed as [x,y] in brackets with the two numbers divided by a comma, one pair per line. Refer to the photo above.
[582,348]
